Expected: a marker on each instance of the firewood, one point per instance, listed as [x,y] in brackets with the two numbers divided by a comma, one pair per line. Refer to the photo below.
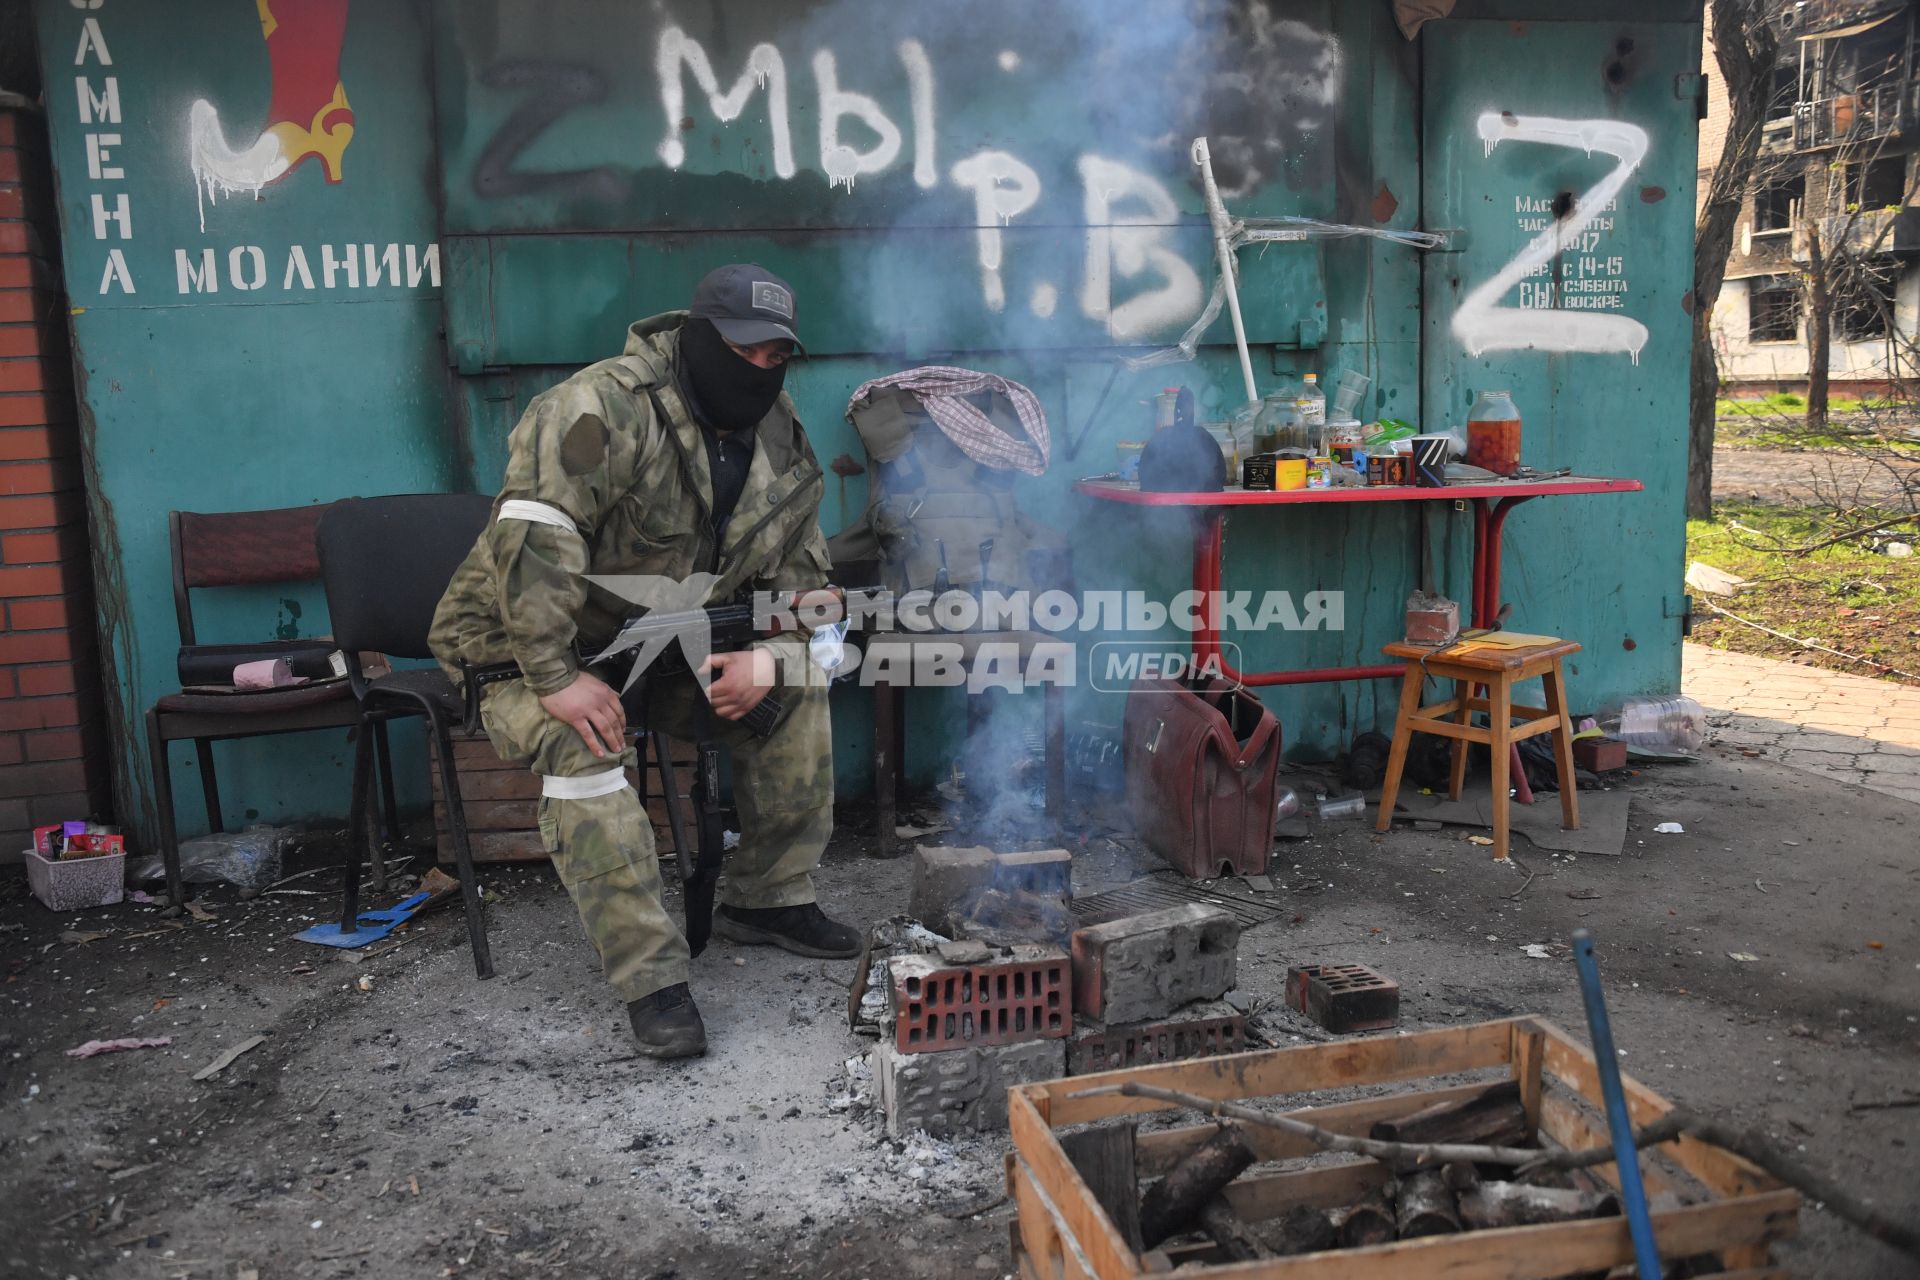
[1494,1117]
[1461,1175]
[1516,1204]
[1425,1206]
[1891,1226]
[1173,1204]
[1103,1155]
[1306,1229]
[1368,1220]
[1228,1230]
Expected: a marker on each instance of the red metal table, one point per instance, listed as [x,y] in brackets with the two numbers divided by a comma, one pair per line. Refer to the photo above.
[1492,502]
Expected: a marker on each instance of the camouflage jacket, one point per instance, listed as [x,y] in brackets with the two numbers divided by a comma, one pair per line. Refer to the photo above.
[615,490]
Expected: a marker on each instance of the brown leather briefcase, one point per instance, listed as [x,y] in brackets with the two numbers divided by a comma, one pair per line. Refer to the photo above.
[1201,761]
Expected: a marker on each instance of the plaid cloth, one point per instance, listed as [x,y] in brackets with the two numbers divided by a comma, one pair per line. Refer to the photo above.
[943,389]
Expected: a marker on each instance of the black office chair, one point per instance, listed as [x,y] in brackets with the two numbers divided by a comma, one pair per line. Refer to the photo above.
[385,563]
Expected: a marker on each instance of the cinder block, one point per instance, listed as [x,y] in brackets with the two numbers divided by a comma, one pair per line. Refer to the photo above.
[944,881]
[1144,967]
[1197,1031]
[1344,997]
[961,1091]
[956,999]
[1047,872]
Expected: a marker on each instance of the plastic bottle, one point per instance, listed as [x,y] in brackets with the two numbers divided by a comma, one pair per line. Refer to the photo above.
[1493,433]
[1353,806]
[1311,402]
[1658,726]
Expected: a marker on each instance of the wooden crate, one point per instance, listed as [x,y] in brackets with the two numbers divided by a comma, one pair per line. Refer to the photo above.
[1708,1200]
[501,802]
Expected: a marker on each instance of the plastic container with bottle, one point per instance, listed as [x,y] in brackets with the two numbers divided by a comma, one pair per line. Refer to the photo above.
[1493,433]
[1658,726]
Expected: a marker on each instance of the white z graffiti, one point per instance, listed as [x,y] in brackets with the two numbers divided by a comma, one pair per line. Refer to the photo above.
[1482,324]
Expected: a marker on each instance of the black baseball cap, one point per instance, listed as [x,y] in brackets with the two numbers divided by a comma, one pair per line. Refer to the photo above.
[747,304]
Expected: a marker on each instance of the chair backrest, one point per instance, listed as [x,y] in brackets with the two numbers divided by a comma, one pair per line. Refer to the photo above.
[237,549]
[387,561]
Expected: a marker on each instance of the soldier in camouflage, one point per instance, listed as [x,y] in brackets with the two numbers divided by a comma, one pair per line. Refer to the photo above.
[680,457]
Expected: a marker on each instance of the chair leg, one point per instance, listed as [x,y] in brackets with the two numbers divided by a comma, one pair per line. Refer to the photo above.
[389,808]
[163,806]
[1556,685]
[1402,736]
[1457,754]
[1500,713]
[1055,711]
[462,852]
[356,830]
[209,783]
[886,747]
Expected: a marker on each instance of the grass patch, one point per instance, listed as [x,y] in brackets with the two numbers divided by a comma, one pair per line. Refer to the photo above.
[1848,596]
[1786,403]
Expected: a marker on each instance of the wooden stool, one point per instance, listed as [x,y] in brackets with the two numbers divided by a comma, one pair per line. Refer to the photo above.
[1496,670]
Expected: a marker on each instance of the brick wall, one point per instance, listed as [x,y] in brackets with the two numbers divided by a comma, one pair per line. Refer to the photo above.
[52,734]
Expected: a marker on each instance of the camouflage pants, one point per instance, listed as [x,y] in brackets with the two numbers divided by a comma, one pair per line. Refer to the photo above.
[603,844]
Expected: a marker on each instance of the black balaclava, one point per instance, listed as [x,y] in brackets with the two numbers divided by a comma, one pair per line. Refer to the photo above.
[730,393]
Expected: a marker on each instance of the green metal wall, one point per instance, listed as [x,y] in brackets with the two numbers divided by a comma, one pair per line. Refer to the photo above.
[567,186]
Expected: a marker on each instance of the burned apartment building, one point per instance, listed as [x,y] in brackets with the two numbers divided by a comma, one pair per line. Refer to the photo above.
[1830,212]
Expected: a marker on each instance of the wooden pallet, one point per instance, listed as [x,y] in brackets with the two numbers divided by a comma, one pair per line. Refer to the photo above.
[502,803]
[1707,1199]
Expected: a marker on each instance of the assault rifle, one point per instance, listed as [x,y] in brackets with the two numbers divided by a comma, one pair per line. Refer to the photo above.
[657,642]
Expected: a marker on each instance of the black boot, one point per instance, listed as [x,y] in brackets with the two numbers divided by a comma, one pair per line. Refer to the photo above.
[804,930]
[667,1024]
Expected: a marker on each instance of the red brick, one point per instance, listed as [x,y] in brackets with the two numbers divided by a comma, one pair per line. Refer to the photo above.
[32,548]
[16,813]
[13,203]
[70,803]
[37,615]
[39,681]
[33,444]
[9,130]
[50,476]
[22,306]
[34,410]
[11,752]
[40,580]
[43,780]
[21,340]
[55,744]
[9,164]
[23,271]
[39,713]
[8,684]
[13,237]
[22,375]
[36,646]
[42,510]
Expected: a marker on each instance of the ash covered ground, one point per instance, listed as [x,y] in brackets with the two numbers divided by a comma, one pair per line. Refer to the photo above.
[433,1125]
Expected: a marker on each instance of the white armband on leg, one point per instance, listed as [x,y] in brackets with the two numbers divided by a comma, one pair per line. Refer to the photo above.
[584,787]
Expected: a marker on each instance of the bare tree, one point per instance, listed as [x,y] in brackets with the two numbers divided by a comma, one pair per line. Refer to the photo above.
[1842,239]
[1746,46]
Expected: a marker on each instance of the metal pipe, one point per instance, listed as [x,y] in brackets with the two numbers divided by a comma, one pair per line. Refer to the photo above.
[1633,1195]
[1223,245]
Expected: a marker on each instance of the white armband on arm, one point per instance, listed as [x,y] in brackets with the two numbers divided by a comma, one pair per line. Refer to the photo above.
[536,513]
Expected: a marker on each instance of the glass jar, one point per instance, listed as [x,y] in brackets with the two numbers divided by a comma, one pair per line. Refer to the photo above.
[1280,423]
[1493,434]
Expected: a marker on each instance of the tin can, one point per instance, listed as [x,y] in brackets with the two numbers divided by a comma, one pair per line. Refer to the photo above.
[1386,468]
[1258,473]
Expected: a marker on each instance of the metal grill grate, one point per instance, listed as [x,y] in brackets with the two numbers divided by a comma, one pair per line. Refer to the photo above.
[1156,893]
